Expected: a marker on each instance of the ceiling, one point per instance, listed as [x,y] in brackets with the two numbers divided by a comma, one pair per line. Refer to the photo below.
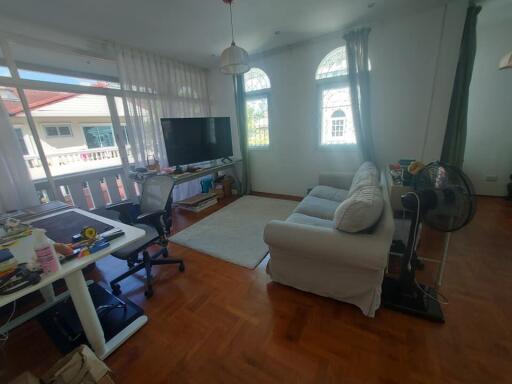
[196,31]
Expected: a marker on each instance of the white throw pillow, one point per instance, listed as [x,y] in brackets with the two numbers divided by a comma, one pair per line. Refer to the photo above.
[361,211]
[366,175]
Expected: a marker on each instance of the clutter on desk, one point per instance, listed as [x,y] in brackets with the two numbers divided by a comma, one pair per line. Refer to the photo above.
[12,230]
[7,262]
[45,252]
[17,279]
[152,163]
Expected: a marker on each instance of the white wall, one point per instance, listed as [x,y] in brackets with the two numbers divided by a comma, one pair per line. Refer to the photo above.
[489,139]
[411,65]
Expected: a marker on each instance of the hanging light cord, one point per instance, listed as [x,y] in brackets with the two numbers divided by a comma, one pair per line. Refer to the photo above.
[232,30]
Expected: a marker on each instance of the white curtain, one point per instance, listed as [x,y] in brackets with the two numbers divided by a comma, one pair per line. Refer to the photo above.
[154,87]
[16,188]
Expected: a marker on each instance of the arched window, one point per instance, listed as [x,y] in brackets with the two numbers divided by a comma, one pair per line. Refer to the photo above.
[335,109]
[333,65]
[257,94]
[338,120]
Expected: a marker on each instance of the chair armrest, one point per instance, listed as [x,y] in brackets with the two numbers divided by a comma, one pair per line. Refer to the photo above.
[328,244]
[341,180]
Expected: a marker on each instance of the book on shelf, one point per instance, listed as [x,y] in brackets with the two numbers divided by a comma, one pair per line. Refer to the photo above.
[198,207]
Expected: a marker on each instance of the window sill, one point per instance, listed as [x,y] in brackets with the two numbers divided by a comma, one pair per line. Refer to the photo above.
[262,148]
[337,147]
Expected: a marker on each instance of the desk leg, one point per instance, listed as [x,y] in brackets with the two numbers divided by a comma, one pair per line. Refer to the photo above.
[86,311]
[48,293]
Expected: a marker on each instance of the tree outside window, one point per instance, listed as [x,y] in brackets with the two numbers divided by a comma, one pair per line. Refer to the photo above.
[257,92]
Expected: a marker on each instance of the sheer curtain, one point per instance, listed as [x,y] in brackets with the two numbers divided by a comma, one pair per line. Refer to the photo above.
[16,188]
[238,85]
[154,87]
[359,77]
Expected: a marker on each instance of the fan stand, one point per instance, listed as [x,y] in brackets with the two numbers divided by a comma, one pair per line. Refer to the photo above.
[404,294]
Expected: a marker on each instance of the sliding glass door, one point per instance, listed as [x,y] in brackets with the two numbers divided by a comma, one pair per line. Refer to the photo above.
[70,129]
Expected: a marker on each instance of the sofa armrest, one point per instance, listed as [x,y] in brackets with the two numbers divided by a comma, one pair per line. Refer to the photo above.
[341,180]
[328,244]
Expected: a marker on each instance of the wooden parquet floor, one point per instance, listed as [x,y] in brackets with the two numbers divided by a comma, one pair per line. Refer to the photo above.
[220,323]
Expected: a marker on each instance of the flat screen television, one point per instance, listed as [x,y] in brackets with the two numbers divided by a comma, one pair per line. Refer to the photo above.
[196,139]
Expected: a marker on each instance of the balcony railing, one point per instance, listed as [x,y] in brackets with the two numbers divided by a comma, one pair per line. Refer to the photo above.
[64,163]
[91,189]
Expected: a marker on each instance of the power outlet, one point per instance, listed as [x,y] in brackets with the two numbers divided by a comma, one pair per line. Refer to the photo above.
[492,178]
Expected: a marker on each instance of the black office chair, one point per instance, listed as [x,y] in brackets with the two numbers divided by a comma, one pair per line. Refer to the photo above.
[151,216]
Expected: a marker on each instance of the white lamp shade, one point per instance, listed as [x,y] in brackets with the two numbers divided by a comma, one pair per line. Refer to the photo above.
[506,61]
[234,60]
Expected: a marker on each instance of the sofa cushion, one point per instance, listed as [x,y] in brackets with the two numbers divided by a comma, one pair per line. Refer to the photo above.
[300,218]
[317,207]
[367,175]
[329,193]
[361,211]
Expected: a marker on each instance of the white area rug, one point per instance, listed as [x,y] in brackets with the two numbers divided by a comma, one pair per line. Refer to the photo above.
[235,232]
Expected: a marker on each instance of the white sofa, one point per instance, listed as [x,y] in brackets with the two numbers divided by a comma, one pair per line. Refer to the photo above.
[308,252]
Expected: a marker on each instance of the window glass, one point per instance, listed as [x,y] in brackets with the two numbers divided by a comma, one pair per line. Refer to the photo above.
[57,130]
[42,64]
[51,131]
[337,127]
[62,79]
[256,80]
[257,88]
[335,115]
[100,136]
[124,127]
[21,141]
[257,122]
[4,71]
[75,132]
[10,98]
[333,65]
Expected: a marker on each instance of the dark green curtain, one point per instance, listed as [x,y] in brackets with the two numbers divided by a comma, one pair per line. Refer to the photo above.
[359,78]
[238,83]
[454,143]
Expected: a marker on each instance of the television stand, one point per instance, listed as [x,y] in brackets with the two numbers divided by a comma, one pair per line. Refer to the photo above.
[181,175]
[226,160]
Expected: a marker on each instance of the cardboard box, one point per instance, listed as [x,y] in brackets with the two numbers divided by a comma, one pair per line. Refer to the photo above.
[80,366]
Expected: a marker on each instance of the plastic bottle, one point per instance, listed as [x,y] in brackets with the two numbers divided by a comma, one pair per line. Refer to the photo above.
[45,252]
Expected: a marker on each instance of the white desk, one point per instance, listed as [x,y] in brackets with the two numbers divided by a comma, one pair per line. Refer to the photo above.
[71,272]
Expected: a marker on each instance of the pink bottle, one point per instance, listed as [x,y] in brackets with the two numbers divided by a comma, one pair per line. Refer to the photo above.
[45,252]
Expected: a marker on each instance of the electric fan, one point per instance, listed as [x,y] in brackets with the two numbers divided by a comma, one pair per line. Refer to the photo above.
[443,199]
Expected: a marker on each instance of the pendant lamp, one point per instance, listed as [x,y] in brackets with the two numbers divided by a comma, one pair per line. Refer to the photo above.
[234,60]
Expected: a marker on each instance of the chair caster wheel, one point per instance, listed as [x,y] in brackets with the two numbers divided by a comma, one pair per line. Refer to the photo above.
[116,289]
[148,293]
[182,267]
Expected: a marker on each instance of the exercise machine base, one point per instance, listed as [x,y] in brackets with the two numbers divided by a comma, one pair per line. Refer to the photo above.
[418,302]
[63,326]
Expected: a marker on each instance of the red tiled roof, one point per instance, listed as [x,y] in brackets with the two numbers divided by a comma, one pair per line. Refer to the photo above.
[36,99]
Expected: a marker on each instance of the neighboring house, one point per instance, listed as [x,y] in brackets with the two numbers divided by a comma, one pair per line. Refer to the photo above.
[74,129]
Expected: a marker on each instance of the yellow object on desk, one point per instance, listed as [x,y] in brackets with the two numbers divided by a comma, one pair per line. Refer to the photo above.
[88,233]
